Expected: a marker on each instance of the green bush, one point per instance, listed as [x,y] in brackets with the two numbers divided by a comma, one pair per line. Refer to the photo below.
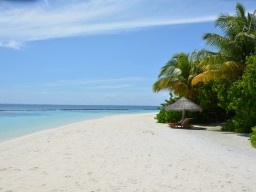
[239,123]
[253,137]
[228,126]
[242,99]
[168,116]
[175,116]
[208,98]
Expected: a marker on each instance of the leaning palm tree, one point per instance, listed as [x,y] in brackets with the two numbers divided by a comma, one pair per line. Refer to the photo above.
[238,42]
[177,74]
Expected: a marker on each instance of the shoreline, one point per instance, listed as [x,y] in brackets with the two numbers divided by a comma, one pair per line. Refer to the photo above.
[63,127]
[50,127]
[127,153]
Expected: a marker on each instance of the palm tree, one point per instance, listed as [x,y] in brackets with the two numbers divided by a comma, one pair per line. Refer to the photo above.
[238,42]
[177,74]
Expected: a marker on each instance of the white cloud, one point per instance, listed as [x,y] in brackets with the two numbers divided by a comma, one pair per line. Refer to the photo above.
[11,44]
[56,19]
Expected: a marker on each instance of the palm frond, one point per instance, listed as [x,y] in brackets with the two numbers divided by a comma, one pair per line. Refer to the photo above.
[205,76]
[232,69]
[180,88]
[228,24]
[176,75]
[210,61]
[161,84]
[215,40]
[168,68]
[240,12]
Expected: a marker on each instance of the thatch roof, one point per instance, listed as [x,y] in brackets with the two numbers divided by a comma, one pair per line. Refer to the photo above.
[183,104]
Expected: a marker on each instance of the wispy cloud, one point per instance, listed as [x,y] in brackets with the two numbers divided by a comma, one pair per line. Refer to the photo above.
[11,44]
[96,84]
[45,19]
[120,86]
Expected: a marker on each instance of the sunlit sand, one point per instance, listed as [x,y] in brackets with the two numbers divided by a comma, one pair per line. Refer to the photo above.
[127,153]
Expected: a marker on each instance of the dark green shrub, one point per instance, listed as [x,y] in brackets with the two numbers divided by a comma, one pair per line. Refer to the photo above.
[253,137]
[175,116]
[168,116]
[208,98]
[239,123]
[242,99]
[228,126]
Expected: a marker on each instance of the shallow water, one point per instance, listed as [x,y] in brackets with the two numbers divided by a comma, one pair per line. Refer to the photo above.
[18,120]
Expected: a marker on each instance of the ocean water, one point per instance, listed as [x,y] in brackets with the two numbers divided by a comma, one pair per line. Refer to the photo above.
[18,120]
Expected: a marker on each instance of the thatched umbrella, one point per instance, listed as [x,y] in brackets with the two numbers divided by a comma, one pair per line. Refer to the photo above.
[183,105]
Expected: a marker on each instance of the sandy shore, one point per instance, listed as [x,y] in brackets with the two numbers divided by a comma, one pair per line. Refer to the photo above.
[127,153]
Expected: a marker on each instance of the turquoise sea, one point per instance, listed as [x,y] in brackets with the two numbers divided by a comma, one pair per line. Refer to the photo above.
[18,119]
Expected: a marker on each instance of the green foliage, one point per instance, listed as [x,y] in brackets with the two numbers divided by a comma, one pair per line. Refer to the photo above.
[221,88]
[239,39]
[253,137]
[168,116]
[223,83]
[228,126]
[207,97]
[242,99]
[177,74]
[174,116]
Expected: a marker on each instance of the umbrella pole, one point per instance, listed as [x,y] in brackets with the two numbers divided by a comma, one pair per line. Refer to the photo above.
[183,114]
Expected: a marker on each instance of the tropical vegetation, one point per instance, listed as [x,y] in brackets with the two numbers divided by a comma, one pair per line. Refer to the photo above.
[253,137]
[222,81]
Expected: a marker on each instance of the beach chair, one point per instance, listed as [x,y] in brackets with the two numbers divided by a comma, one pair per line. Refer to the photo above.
[181,124]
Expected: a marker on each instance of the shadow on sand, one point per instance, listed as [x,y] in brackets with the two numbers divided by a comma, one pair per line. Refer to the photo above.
[193,128]
[212,127]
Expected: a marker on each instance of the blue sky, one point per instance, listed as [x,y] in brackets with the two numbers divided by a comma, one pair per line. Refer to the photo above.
[97,51]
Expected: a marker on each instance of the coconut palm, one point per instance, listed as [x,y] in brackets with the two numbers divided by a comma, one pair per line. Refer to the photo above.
[238,42]
[177,74]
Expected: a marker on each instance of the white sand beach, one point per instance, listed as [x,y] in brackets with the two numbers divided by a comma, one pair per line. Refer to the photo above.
[127,153]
